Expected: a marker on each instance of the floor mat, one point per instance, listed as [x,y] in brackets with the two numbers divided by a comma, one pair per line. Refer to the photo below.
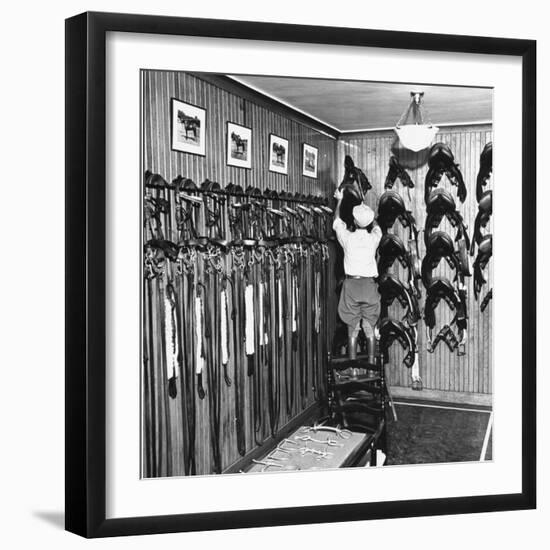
[424,435]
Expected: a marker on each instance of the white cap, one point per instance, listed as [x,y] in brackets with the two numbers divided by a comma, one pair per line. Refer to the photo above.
[363,215]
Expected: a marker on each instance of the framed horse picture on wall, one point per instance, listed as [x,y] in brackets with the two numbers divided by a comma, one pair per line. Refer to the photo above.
[188,128]
[278,154]
[239,145]
[309,160]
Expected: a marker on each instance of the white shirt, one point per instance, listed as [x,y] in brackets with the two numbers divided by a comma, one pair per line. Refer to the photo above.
[359,249]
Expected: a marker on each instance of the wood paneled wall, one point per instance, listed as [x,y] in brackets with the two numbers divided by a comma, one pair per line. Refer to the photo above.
[164,417]
[222,106]
[371,152]
[440,370]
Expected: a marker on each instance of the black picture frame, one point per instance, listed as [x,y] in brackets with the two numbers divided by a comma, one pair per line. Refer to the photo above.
[199,150]
[228,137]
[270,163]
[86,280]
[306,173]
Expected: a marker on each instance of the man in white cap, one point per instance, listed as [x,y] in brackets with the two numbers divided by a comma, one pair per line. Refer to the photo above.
[359,299]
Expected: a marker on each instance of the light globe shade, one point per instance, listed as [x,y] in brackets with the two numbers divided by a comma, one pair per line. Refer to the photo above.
[416,137]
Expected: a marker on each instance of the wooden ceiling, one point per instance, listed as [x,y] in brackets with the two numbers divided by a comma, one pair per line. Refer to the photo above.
[352,105]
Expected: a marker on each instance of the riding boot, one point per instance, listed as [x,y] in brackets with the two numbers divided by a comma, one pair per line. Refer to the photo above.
[371,348]
[352,347]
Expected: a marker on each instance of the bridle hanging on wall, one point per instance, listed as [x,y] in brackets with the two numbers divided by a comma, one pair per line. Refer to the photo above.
[237,293]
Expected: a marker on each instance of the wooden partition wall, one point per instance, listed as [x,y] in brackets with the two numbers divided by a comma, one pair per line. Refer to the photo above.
[222,106]
[441,370]
[163,453]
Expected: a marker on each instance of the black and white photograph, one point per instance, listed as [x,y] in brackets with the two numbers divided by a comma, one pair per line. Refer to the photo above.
[341,319]
[239,145]
[188,128]
[333,341]
[278,154]
[309,160]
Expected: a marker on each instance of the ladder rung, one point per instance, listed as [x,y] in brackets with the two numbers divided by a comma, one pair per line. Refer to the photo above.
[360,378]
[342,363]
[344,358]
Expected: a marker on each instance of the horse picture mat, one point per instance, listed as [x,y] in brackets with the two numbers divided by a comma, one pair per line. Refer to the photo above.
[310,155]
[188,128]
[278,154]
[239,145]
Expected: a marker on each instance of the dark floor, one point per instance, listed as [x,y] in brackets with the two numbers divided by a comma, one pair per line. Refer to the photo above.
[431,434]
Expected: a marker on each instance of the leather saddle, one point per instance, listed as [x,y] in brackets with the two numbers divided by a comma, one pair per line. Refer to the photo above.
[355,181]
[391,288]
[392,330]
[441,161]
[441,204]
[484,213]
[397,171]
[484,253]
[485,169]
[441,289]
[440,245]
[390,248]
[354,186]
[391,207]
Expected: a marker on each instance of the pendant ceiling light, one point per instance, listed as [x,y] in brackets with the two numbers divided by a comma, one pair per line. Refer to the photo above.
[419,132]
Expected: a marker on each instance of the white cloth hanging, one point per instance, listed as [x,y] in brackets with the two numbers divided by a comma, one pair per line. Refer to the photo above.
[263,335]
[280,300]
[249,319]
[293,308]
[317,303]
[223,327]
[199,359]
[171,342]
